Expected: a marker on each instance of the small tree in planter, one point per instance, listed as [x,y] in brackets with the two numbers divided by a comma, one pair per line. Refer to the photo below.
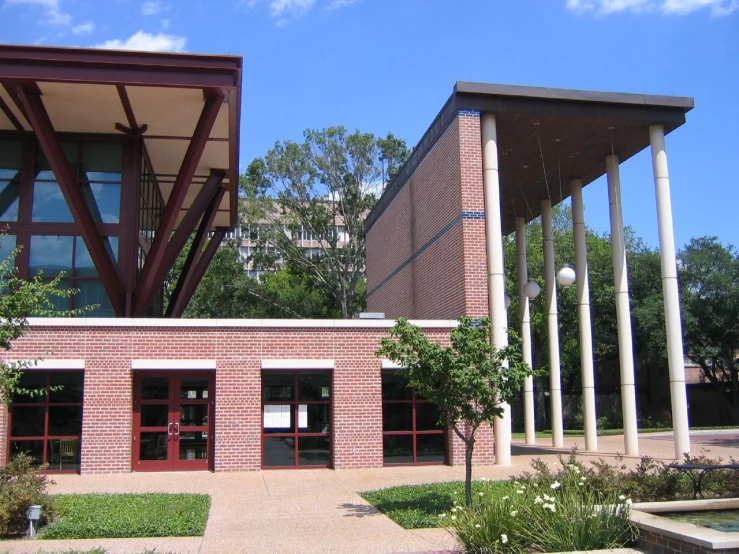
[466,381]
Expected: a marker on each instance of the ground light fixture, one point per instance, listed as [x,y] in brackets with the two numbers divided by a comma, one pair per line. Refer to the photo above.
[566,276]
[33,515]
[507,301]
[531,289]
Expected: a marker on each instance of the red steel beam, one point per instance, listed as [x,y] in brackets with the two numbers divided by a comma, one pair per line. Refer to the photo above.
[147,283]
[192,274]
[52,147]
[200,206]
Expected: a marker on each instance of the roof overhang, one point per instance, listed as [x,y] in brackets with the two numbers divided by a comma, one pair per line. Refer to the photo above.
[98,91]
[548,137]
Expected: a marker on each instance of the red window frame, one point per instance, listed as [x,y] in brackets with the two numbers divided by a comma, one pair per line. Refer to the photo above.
[296,434]
[46,404]
[414,401]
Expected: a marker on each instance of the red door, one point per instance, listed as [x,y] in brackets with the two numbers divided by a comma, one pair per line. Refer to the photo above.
[173,421]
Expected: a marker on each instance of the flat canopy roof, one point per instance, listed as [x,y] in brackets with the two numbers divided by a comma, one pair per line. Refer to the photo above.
[548,137]
[94,91]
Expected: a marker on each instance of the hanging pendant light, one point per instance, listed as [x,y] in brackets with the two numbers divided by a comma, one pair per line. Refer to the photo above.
[566,276]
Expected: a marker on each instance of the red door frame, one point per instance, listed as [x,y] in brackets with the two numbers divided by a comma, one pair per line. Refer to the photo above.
[173,428]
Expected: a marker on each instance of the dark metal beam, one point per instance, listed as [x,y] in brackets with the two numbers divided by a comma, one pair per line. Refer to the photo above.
[192,273]
[200,206]
[10,115]
[147,283]
[126,103]
[52,147]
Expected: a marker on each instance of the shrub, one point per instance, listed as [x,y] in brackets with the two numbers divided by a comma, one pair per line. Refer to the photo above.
[22,485]
[545,516]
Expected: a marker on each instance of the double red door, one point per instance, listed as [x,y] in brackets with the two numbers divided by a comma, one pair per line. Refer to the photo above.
[173,421]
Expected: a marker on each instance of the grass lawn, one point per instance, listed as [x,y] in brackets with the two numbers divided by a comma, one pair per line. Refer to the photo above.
[610,432]
[108,516]
[419,506]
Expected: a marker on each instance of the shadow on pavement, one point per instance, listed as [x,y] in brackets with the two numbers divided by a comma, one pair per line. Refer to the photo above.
[359,510]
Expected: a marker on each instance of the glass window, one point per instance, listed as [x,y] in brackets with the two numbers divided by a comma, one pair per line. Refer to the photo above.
[101,162]
[50,255]
[43,168]
[410,424]
[103,201]
[11,156]
[92,292]
[48,427]
[296,412]
[49,204]
[7,245]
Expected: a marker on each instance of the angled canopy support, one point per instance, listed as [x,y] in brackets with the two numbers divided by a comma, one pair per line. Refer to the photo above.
[193,272]
[39,119]
[200,209]
[148,282]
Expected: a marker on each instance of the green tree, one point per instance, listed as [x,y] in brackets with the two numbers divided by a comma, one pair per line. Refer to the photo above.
[19,299]
[321,188]
[709,282]
[466,381]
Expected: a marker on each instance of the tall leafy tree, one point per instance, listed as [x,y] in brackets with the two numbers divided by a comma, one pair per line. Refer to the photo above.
[466,381]
[321,188]
[709,279]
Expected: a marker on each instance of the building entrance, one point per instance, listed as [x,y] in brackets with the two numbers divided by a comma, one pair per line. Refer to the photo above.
[173,421]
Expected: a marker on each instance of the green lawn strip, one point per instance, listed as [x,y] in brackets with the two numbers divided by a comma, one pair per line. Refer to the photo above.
[610,432]
[111,516]
[419,506]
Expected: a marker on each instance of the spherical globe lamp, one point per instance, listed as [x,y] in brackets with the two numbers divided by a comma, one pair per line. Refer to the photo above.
[566,276]
[507,301]
[531,289]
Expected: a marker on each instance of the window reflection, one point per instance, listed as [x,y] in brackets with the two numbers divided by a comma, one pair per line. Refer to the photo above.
[50,255]
[11,155]
[49,204]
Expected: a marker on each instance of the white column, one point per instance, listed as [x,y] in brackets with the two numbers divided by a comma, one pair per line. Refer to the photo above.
[555,381]
[496,276]
[583,312]
[675,360]
[623,315]
[523,302]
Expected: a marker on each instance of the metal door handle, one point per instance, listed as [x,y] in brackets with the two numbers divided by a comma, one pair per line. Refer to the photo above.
[169,429]
[176,429]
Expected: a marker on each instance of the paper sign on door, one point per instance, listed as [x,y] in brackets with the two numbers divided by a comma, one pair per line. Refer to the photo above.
[303,416]
[277,417]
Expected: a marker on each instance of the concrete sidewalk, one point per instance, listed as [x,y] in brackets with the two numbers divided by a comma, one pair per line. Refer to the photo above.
[317,511]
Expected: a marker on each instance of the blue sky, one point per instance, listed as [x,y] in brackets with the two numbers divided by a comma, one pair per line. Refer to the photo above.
[389,65]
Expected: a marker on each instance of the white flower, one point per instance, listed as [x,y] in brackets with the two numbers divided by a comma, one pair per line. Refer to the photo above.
[538,500]
[514,513]
[454,517]
[555,485]
[482,494]
[581,484]
[504,538]
[583,478]
[519,491]
[549,507]
[622,497]
[547,497]
[505,498]
[536,485]
[442,515]
[523,487]
[629,502]
[477,526]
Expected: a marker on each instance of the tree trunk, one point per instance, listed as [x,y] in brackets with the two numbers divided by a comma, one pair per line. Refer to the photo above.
[469,445]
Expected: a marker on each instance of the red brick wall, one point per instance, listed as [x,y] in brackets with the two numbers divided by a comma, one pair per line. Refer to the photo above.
[657,543]
[448,278]
[238,351]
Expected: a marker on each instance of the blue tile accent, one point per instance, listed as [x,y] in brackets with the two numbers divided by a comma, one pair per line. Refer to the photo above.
[473,113]
[432,240]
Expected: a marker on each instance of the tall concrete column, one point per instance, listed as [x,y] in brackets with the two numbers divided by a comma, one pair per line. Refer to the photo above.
[623,314]
[583,312]
[555,381]
[673,323]
[496,275]
[523,302]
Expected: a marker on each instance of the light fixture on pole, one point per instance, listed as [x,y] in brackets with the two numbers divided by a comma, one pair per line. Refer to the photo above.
[566,276]
[531,289]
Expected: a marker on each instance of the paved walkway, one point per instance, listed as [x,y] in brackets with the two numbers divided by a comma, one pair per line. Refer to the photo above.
[318,511]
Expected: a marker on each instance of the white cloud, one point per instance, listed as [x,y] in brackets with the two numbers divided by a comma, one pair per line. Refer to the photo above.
[290,7]
[52,11]
[153,7]
[677,7]
[336,4]
[84,28]
[144,41]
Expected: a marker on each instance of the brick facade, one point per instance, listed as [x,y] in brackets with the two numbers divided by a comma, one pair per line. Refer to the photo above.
[657,543]
[436,267]
[108,348]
